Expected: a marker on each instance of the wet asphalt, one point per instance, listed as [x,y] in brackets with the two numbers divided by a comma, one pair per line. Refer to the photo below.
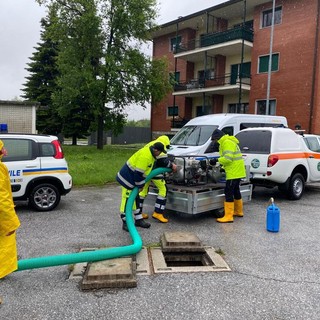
[273,275]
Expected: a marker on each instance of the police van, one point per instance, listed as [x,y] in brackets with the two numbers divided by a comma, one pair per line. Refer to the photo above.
[37,168]
[194,138]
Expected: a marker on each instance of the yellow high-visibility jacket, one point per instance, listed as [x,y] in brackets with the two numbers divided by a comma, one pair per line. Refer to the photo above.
[9,222]
[136,169]
[231,157]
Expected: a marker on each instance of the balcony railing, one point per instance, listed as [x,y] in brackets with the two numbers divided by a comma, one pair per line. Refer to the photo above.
[227,79]
[210,39]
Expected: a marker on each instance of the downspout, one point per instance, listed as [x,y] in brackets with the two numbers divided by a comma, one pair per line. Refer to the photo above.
[315,56]
[98,255]
[175,51]
[205,65]
[204,81]
[242,52]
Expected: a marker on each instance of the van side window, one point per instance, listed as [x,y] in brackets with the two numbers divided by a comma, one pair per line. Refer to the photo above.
[246,125]
[228,130]
[215,147]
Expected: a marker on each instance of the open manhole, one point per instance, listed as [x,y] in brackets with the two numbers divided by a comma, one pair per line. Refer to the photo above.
[168,262]
[187,259]
[184,252]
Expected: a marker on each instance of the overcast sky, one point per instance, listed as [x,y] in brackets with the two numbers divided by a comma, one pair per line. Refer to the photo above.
[20,32]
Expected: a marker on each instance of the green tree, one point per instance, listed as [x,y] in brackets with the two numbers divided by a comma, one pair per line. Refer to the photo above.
[80,50]
[41,83]
[113,70]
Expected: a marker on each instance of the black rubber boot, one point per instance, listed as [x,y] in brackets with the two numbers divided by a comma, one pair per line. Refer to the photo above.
[142,224]
[124,226]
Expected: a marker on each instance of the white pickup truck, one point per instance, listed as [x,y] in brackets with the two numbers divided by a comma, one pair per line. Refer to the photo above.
[279,157]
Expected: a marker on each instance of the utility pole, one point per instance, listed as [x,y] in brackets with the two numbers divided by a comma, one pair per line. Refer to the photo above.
[270,59]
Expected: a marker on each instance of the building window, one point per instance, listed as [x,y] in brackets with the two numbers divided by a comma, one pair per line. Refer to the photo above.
[206,74]
[172,111]
[236,73]
[247,24]
[174,77]
[175,43]
[264,63]
[238,107]
[267,17]
[262,107]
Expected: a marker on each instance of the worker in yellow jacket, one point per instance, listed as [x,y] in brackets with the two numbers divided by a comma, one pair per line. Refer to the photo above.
[9,222]
[232,162]
[133,174]
[162,162]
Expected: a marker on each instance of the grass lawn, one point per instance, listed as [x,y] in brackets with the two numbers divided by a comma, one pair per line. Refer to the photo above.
[90,166]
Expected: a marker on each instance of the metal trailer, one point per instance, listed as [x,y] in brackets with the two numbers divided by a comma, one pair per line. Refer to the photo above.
[196,199]
[197,186]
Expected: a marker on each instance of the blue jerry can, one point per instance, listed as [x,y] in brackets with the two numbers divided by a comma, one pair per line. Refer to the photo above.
[273,217]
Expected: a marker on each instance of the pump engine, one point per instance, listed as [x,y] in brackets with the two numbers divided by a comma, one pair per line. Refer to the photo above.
[195,170]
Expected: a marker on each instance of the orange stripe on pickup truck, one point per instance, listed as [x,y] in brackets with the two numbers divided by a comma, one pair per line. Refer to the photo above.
[297,155]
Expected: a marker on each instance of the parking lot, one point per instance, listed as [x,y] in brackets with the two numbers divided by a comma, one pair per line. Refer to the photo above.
[273,275]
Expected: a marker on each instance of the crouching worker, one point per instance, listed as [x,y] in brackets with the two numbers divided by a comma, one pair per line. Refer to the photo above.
[9,222]
[162,161]
[232,162]
[133,174]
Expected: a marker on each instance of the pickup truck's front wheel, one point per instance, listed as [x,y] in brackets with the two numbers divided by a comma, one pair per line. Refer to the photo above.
[296,186]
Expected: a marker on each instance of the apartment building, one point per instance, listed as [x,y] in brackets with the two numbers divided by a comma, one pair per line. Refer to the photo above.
[219,62]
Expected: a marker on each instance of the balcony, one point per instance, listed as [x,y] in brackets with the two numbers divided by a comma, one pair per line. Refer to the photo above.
[211,39]
[226,36]
[216,43]
[226,84]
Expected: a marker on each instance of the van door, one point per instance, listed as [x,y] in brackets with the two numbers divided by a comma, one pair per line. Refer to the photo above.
[211,150]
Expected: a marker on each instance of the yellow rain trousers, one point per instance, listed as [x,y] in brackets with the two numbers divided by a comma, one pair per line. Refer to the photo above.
[9,222]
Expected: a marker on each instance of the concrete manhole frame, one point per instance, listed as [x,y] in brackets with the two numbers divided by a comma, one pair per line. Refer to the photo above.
[152,261]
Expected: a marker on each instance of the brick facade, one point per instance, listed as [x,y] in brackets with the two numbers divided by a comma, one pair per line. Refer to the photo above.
[294,86]
[294,40]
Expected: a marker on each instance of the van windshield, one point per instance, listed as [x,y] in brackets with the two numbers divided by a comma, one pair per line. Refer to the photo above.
[193,135]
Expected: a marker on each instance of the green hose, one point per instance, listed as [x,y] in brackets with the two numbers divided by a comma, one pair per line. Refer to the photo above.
[97,255]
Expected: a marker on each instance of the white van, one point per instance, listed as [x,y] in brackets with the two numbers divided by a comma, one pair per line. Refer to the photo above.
[194,138]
